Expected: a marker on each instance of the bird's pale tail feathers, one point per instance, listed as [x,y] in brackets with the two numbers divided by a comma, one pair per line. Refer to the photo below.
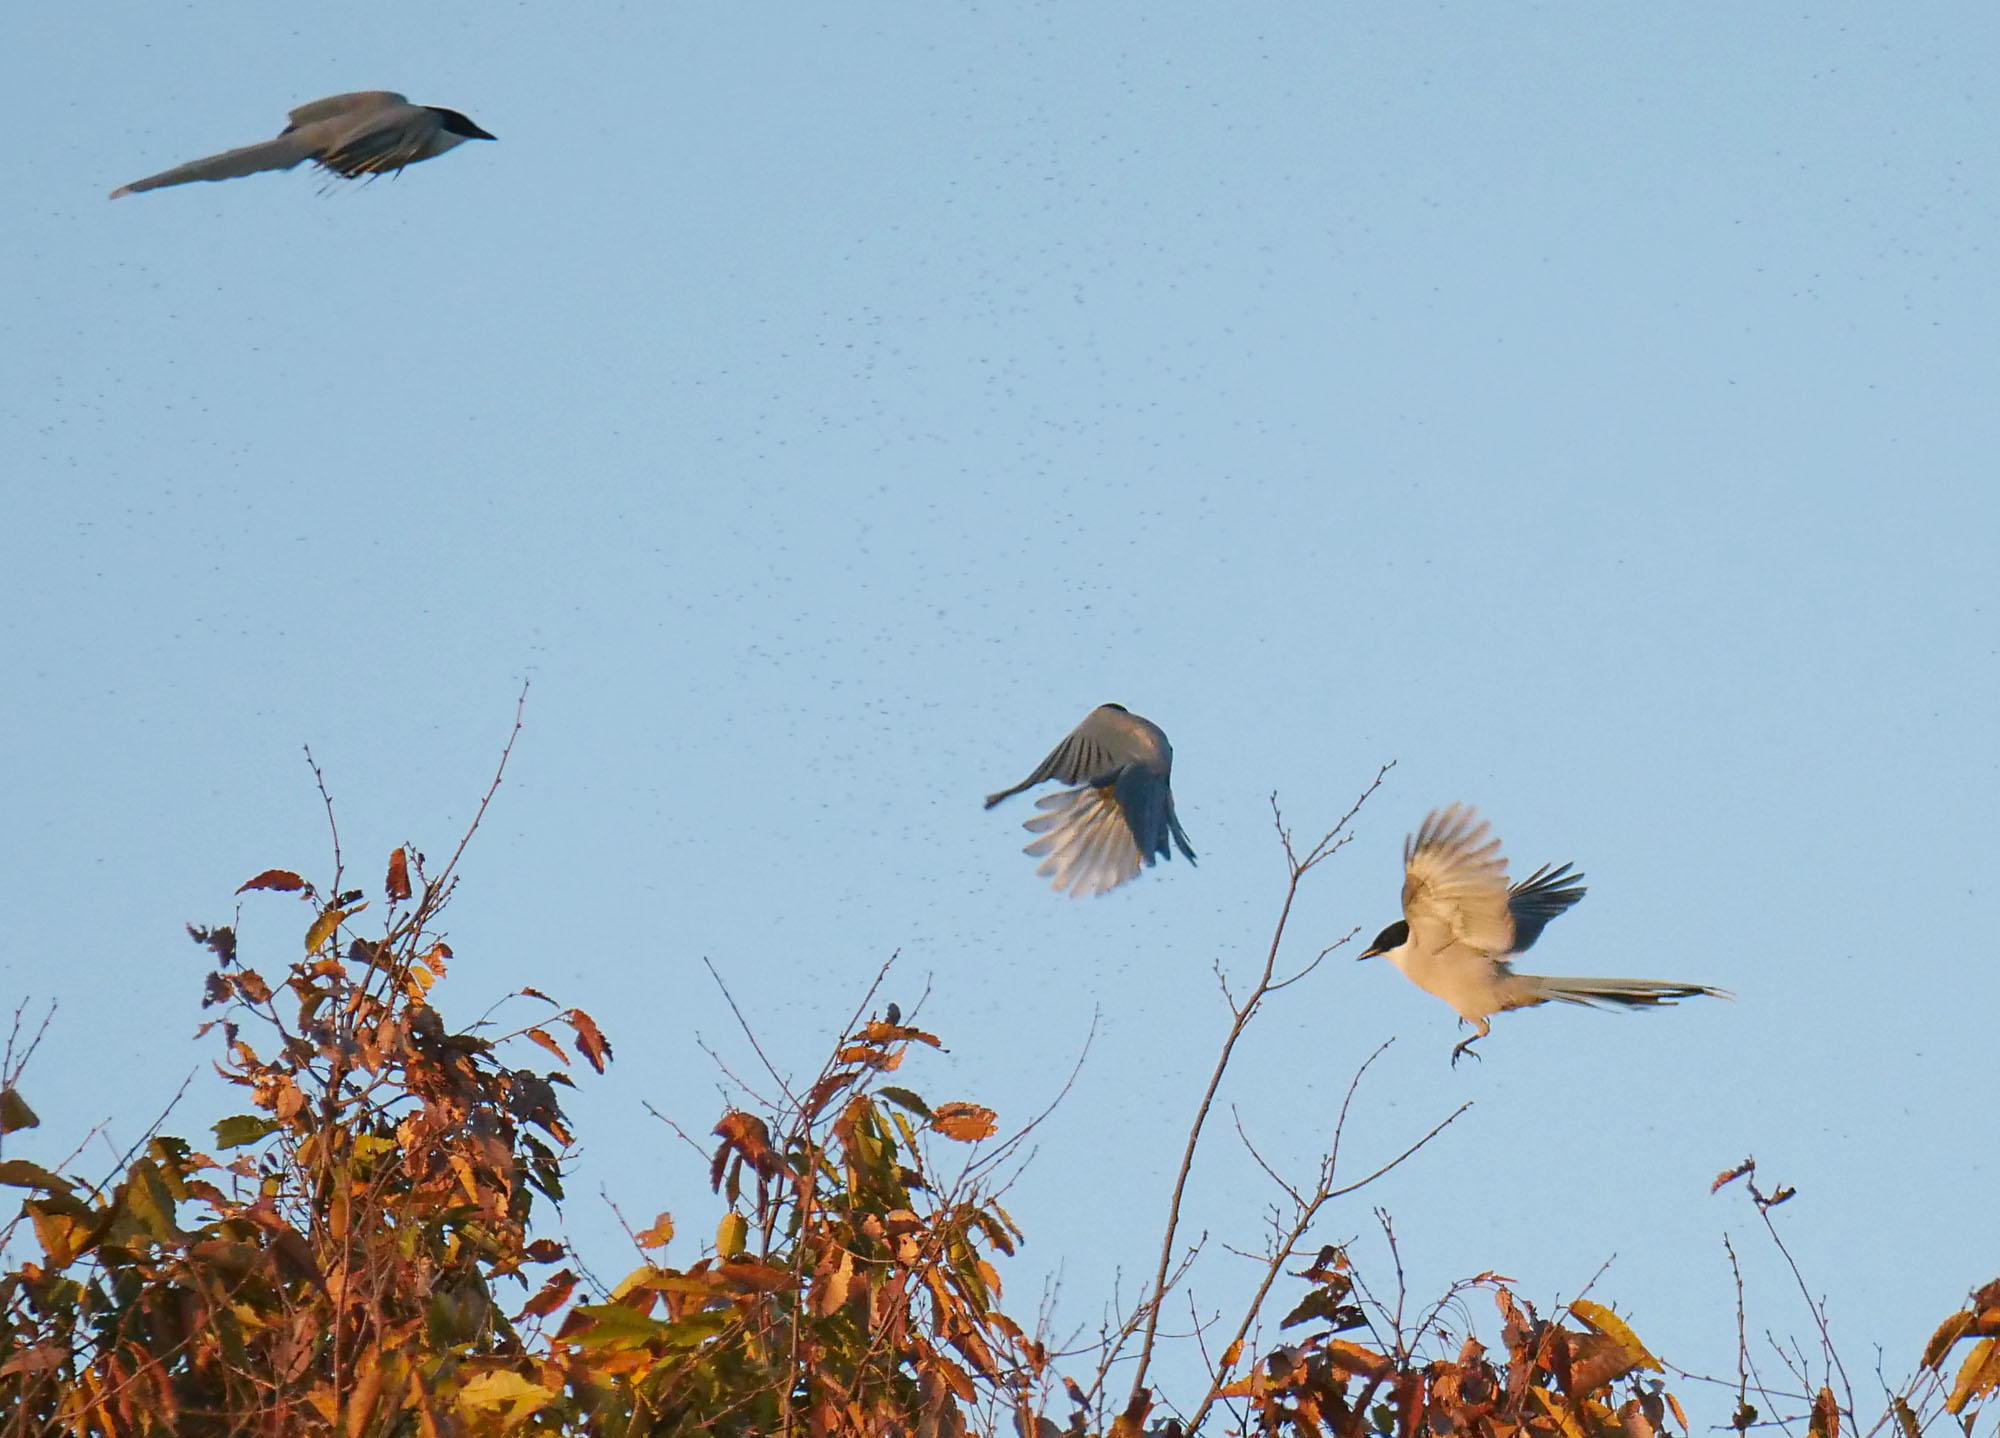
[1524,990]
[279,154]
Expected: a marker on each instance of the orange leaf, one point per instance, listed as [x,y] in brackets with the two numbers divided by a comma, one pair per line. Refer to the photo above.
[966,1122]
[1229,1356]
[1749,1165]
[281,879]
[541,1036]
[398,882]
[589,1042]
[659,1235]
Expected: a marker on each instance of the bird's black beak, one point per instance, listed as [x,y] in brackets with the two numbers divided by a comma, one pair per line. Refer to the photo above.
[1369,954]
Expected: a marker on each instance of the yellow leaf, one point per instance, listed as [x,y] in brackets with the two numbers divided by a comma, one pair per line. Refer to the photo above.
[324,926]
[501,1385]
[731,1234]
[1979,1375]
[1597,1316]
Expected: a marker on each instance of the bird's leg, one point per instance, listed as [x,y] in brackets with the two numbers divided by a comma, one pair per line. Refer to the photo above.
[1464,1046]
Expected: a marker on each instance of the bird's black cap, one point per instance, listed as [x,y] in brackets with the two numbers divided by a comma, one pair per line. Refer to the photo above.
[1393,937]
[457,124]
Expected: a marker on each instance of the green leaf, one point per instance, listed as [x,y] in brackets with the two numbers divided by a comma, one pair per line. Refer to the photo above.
[323,927]
[613,1325]
[903,1098]
[14,1112]
[242,1128]
[19,1173]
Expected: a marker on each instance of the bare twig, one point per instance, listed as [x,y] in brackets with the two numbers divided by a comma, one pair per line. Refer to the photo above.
[1240,1017]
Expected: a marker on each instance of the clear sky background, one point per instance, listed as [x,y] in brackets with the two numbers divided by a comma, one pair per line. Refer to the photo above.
[1590,408]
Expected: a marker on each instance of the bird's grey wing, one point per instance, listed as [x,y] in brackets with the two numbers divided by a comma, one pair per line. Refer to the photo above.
[1086,845]
[1148,803]
[354,104]
[1090,752]
[1455,884]
[383,140]
[279,154]
[1539,898]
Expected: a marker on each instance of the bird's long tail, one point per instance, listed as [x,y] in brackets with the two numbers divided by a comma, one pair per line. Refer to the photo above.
[1524,990]
[279,154]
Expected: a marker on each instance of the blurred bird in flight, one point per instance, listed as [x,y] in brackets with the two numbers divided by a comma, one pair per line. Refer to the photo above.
[1462,923]
[1097,836]
[369,132]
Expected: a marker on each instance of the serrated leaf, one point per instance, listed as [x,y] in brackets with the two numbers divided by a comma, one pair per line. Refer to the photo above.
[239,1129]
[547,1041]
[283,880]
[15,1114]
[965,1122]
[1977,1377]
[589,1042]
[19,1173]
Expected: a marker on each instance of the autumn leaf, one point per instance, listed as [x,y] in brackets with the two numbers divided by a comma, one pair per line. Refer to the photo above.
[15,1114]
[543,1250]
[554,1294]
[965,1122]
[541,1036]
[1749,1165]
[659,1235]
[324,926]
[398,882]
[19,1173]
[589,1042]
[283,880]
[1597,1316]
[730,1235]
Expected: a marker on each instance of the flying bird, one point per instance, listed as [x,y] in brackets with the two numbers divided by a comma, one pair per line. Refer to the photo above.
[369,132]
[1462,923]
[1096,836]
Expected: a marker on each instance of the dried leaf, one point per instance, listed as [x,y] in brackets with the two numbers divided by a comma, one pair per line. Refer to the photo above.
[35,1360]
[659,1235]
[19,1173]
[541,1036]
[15,1114]
[1978,1377]
[965,1122]
[1749,1165]
[589,1042]
[543,1250]
[1229,1356]
[1825,1421]
[251,985]
[283,880]
[1597,1316]
[554,1294]
[398,882]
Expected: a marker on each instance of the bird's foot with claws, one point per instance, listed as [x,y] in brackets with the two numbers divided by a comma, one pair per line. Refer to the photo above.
[1464,1046]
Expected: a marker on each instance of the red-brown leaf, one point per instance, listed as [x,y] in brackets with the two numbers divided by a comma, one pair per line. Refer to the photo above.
[554,1294]
[281,879]
[543,1250]
[398,882]
[589,1042]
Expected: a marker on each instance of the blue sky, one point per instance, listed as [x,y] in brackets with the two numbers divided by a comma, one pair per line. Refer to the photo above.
[1588,408]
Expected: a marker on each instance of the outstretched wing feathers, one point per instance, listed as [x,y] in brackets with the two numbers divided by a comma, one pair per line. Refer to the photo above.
[1455,884]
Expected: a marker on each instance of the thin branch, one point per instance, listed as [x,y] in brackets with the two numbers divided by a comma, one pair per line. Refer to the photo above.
[1241,1016]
